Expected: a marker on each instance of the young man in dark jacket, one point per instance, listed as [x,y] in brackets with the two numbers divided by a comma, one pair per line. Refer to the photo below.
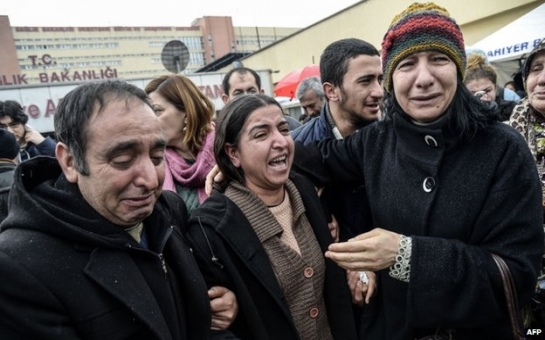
[92,247]
[351,75]
[31,142]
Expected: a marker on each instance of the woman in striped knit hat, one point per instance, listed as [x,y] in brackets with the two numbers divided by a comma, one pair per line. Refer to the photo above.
[448,186]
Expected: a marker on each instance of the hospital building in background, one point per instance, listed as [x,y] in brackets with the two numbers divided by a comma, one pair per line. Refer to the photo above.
[41,55]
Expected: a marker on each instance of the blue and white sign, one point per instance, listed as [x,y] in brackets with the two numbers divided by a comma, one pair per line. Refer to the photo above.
[516,39]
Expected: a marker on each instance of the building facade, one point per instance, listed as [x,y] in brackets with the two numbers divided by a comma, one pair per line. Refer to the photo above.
[49,55]
[369,20]
[38,63]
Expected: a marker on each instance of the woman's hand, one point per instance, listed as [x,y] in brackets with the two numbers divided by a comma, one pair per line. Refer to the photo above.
[361,292]
[215,175]
[224,306]
[371,251]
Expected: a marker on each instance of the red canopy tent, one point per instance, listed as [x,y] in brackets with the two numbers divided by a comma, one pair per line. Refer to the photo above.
[287,86]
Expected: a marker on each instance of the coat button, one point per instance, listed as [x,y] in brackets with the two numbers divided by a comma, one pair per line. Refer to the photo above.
[308,272]
[428,184]
[430,141]
[313,313]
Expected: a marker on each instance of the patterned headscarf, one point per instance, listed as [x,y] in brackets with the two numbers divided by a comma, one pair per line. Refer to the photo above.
[526,68]
[422,27]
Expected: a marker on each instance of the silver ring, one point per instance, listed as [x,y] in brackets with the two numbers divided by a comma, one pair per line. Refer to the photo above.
[364,278]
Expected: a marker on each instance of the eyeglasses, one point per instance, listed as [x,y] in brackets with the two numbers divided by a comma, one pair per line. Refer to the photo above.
[9,125]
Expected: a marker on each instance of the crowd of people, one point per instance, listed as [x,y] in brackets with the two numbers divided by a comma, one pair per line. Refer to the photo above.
[377,216]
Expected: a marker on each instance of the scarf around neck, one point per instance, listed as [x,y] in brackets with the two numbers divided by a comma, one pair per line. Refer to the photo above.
[178,171]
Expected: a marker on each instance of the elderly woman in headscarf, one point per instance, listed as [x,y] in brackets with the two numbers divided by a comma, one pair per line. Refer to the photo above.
[449,188]
[528,116]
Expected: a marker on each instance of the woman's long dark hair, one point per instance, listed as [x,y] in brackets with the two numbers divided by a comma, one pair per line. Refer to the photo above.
[229,130]
[466,114]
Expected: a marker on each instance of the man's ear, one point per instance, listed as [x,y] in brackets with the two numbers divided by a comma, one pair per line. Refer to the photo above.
[233,154]
[330,91]
[66,162]
[225,98]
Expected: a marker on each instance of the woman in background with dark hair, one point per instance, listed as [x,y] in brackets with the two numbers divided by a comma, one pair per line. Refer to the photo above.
[31,142]
[264,235]
[185,114]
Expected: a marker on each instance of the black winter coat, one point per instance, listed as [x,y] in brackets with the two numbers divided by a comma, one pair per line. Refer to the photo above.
[231,255]
[348,204]
[70,274]
[458,202]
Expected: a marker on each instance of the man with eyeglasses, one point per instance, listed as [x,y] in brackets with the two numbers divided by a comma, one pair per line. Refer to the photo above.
[31,142]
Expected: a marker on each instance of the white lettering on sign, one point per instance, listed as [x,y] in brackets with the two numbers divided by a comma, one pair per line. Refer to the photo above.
[517,48]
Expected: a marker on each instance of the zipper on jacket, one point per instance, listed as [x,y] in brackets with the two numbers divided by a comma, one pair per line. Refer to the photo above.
[163,263]
[159,255]
[168,233]
[214,259]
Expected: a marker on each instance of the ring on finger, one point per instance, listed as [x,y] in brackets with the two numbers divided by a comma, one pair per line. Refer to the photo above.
[363,277]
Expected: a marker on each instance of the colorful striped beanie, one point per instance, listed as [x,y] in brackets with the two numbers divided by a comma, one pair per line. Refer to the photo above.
[421,27]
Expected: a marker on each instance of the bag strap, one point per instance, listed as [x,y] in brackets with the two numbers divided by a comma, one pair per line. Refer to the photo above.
[510,295]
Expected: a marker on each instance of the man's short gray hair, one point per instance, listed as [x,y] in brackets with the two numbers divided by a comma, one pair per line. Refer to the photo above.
[310,83]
